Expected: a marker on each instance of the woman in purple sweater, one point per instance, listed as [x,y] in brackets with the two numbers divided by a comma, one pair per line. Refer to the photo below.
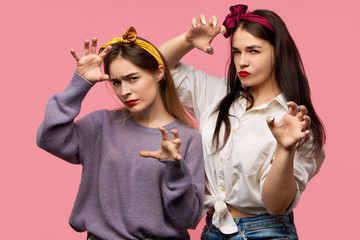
[124,192]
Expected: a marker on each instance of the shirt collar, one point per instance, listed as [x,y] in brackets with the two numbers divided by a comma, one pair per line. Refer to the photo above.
[279,98]
[282,100]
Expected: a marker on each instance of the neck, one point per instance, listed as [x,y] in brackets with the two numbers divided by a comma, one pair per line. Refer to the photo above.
[264,94]
[154,116]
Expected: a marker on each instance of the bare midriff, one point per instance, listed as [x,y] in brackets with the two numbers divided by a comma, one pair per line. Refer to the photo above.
[235,213]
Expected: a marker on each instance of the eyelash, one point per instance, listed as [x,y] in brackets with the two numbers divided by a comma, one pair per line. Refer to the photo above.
[251,51]
[116,83]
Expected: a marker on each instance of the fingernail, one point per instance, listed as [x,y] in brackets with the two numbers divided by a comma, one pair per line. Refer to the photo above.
[194,25]
[222,32]
[214,24]
[209,49]
[203,21]
[299,107]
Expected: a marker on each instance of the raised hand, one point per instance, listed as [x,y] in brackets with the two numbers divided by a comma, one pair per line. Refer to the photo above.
[202,32]
[89,65]
[292,127]
[169,149]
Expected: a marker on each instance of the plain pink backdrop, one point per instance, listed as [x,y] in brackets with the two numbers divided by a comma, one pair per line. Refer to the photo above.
[38,190]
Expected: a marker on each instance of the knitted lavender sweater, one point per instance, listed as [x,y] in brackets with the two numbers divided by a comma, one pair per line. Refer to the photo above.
[123,195]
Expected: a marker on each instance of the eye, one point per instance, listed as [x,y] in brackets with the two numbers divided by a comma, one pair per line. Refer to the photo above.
[254,51]
[116,83]
[235,52]
[132,79]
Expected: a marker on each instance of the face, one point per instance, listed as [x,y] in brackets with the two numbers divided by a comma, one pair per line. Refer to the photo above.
[137,89]
[254,60]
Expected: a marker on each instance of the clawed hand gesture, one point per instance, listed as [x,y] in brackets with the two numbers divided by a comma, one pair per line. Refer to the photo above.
[169,149]
[202,32]
[89,65]
[292,127]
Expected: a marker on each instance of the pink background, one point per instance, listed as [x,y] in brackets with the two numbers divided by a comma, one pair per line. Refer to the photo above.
[38,190]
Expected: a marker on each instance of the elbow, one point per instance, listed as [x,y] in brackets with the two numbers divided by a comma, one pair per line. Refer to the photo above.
[276,206]
[276,211]
[40,141]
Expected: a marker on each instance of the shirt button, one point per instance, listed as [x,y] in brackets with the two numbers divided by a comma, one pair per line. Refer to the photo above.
[233,131]
[223,189]
[221,159]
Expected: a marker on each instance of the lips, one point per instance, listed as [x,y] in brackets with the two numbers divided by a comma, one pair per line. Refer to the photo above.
[130,102]
[244,74]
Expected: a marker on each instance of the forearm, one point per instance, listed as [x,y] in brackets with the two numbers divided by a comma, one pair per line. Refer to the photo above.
[174,49]
[279,188]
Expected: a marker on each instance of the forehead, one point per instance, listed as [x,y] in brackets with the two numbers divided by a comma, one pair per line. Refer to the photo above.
[242,39]
[121,66]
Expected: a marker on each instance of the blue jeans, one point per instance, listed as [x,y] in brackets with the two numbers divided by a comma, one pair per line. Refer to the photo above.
[262,226]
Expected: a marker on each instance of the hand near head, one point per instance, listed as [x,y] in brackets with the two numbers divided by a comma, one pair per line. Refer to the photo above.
[291,128]
[169,149]
[89,65]
[202,32]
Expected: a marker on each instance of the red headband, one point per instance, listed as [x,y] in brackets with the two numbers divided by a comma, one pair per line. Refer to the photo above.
[237,13]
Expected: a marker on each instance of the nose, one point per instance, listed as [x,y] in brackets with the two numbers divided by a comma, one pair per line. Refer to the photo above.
[125,89]
[243,61]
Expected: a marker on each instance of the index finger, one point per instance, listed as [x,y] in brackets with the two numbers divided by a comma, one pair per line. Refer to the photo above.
[175,133]
[292,108]
[105,52]
[165,135]
[213,21]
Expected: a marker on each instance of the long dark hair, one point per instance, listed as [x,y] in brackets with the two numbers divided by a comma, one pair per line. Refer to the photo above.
[144,60]
[289,73]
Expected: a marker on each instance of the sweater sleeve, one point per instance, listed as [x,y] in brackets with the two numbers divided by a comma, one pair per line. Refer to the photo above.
[58,134]
[196,89]
[183,186]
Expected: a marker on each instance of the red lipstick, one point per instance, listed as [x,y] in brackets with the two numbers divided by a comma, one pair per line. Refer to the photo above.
[130,102]
[243,74]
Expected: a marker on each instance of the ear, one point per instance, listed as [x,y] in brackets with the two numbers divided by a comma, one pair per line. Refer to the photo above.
[160,73]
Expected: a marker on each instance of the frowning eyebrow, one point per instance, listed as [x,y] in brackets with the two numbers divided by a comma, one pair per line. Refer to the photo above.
[247,48]
[125,77]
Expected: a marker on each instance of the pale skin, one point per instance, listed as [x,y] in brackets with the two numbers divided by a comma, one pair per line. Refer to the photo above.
[279,189]
[89,67]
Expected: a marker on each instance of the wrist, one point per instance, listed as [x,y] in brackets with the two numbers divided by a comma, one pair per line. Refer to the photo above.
[85,79]
[284,152]
[188,42]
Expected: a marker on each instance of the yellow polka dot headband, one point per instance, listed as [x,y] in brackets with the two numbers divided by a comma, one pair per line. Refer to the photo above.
[130,36]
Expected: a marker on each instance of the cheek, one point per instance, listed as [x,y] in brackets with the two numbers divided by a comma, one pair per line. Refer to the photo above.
[266,66]
[149,90]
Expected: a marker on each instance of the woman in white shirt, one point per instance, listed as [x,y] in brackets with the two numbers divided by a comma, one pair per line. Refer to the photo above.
[262,138]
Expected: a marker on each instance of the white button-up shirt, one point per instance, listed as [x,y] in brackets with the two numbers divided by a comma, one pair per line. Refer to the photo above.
[235,175]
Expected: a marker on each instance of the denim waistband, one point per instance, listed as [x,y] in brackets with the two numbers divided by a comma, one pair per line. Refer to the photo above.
[261,220]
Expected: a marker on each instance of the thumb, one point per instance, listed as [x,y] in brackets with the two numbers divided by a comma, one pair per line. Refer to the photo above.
[208,49]
[148,154]
[270,121]
[104,77]
[222,29]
